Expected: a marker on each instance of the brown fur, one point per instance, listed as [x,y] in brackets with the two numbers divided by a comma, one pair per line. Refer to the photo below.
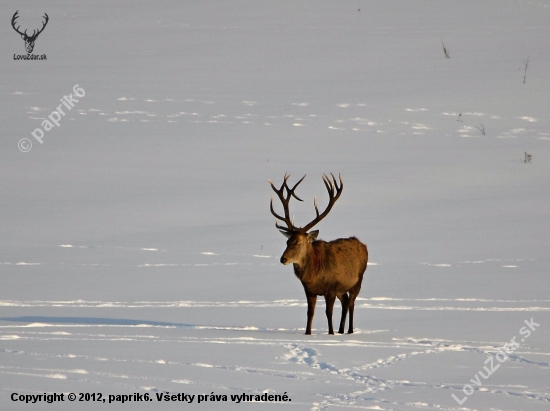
[332,269]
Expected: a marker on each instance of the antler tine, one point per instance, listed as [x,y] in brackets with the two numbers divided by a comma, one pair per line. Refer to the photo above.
[335,183]
[331,186]
[315,205]
[291,190]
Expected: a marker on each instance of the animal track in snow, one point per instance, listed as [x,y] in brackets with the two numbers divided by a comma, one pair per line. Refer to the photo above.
[307,356]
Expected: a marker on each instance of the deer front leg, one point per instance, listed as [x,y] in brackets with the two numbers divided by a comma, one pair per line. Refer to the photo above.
[344,300]
[311,301]
[329,301]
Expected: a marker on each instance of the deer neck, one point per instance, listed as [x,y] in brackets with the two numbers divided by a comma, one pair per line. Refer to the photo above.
[309,265]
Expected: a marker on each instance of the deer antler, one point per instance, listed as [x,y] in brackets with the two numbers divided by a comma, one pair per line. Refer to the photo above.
[15,17]
[331,186]
[34,33]
[285,193]
[285,200]
[43,26]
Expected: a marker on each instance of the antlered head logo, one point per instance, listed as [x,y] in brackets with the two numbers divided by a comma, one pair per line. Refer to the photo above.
[29,40]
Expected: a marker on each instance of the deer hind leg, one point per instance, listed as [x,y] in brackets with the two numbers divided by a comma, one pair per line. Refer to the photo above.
[344,299]
[329,301]
[352,296]
[311,301]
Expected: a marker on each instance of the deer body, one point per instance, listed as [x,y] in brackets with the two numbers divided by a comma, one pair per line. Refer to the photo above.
[332,269]
[331,266]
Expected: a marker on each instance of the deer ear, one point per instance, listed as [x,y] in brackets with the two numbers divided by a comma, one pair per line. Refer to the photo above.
[23,36]
[287,235]
[312,236]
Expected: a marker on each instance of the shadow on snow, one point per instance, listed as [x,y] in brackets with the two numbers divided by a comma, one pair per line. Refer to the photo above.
[92,321]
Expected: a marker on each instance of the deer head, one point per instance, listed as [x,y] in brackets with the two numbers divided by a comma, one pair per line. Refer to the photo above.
[298,237]
[29,40]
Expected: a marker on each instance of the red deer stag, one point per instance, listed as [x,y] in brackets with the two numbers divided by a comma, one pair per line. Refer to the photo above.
[332,269]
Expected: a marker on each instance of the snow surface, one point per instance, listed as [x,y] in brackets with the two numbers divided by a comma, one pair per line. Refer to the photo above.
[137,251]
